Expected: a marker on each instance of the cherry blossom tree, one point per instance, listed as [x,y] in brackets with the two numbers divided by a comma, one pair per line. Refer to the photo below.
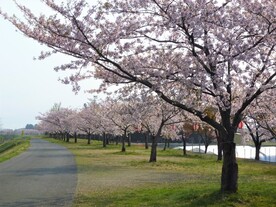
[102,122]
[207,134]
[260,121]
[169,133]
[154,115]
[257,133]
[123,116]
[200,50]
[267,115]
[58,120]
[75,121]
[72,124]
[47,128]
[87,120]
[185,130]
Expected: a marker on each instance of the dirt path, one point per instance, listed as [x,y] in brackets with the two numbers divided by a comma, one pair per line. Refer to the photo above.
[45,175]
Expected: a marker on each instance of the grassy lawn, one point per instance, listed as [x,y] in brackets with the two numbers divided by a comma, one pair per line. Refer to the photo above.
[13,147]
[107,177]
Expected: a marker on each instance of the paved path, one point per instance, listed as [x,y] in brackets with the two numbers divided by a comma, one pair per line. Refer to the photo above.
[45,175]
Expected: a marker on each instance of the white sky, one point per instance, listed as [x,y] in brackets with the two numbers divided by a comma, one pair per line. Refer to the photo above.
[27,86]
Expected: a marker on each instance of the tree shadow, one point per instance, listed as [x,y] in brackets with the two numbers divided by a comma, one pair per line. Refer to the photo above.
[216,197]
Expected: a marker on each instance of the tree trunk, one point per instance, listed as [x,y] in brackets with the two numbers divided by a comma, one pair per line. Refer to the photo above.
[104,140]
[165,144]
[75,136]
[206,142]
[89,138]
[184,144]
[220,147]
[123,142]
[229,176]
[117,140]
[107,139]
[67,137]
[146,140]
[206,148]
[129,140]
[258,148]
[153,153]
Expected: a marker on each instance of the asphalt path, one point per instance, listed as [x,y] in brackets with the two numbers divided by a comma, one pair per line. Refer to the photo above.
[44,175]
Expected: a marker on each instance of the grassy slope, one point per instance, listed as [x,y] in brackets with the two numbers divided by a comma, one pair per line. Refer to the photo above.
[13,148]
[107,177]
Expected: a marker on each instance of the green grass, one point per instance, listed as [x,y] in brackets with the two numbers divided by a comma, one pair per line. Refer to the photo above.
[108,177]
[13,147]
[6,146]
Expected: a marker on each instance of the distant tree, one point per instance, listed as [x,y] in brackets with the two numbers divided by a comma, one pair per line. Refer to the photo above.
[185,130]
[102,123]
[154,115]
[122,115]
[87,121]
[58,121]
[257,134]
[260,121]
[56,107]
[29,126]
[207,134]
[268,121]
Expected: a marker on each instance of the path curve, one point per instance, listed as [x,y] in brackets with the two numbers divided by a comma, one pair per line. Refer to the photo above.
[44,175]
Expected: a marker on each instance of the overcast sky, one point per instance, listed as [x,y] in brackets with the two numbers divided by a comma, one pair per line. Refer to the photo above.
[29,87]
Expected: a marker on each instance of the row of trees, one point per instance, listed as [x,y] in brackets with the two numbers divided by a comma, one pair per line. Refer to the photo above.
[147,115]
[152,117]
[193,54]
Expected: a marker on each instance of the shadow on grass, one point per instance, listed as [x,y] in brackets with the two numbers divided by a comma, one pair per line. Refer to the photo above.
[217,198]
[187,199]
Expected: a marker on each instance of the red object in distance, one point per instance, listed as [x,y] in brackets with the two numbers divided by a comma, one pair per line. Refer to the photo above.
[240,126]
